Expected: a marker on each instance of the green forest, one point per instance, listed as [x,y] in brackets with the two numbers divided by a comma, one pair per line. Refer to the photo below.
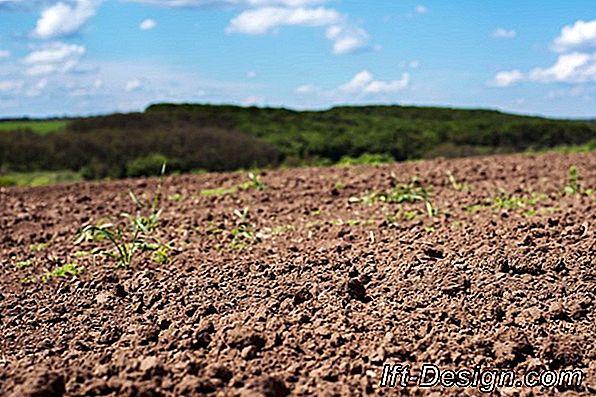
[221,138]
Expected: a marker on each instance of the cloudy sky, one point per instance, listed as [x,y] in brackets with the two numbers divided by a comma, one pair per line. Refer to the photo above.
[74,57]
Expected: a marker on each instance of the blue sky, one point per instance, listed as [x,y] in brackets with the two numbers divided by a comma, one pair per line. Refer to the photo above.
[74,57]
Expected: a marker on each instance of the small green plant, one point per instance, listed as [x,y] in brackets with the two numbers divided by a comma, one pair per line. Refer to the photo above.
[67,270]
[254,182]
[339,185]
[177,197]
[24,264]
[573,186]
[410,215]
[411,192]
[27,280]
[460,187]
[511,202]
[38,246]
[222,191]
[243,233]
[137,238]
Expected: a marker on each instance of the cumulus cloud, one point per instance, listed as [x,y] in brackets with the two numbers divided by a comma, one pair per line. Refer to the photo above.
[347,39]
[147,24]
[570,68]
[365,83]
[53,58]
[361,85]
[4,54]
[63,19]
[263,20]
[580,35]
[507,78]
[575,67]
[502,33]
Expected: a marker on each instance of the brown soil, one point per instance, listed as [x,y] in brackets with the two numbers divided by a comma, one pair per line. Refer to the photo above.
[329,291]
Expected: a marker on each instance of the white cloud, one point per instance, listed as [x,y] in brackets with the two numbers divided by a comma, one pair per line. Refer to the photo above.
[507,78]
[63,19]
[307,89]
[53,58]
[576,67]
[147,24]
[364,83]
[420,9]
[573,68]
[263,20]
[132,85]
[251,74]
[4,54]
[347,39]
[502,33]
[580,35]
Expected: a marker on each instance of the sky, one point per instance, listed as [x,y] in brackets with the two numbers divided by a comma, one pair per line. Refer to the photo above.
[82,57]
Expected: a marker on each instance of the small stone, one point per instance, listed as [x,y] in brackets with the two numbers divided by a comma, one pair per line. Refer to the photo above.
[249,352]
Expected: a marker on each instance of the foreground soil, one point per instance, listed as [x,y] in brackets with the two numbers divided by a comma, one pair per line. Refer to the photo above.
[312,289]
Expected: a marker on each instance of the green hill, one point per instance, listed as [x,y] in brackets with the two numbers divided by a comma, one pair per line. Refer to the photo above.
[218,138]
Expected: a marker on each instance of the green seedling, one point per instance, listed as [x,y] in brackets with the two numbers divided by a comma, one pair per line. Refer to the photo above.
[177,197]
[410,215]
[411,192]
[24,264]
[339,185]
[243,233]
[129,241]
[222,191]
[460,187]
[38,246]
[509,202]
[572,186]
[27,280]
[254,182]
[67,270]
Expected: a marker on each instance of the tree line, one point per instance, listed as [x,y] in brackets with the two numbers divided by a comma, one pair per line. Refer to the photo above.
[220,138]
